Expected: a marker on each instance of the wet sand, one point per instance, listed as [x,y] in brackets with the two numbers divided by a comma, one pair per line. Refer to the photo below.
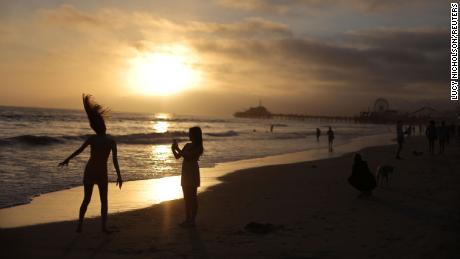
[49,207]
[315,214]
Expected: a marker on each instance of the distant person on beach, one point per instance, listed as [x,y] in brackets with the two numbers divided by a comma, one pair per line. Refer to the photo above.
[96,168]
[443,134]
[318,134]
[190,177]
[330,137]
[272,127]
[409,131]
[431,134]
[361,177]
[399,138]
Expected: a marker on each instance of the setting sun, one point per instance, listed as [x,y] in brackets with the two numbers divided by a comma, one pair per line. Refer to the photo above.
[163,72]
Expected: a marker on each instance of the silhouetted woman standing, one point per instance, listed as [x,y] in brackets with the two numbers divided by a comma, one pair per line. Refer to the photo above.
[190,177]
[96,168]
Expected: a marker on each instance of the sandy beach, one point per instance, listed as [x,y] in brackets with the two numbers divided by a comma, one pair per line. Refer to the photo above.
[313,210]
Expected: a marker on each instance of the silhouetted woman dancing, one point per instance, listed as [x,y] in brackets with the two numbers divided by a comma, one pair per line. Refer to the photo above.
[190,177]
[96,168]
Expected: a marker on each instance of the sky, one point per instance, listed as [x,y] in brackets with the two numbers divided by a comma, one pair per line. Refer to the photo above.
[330,57]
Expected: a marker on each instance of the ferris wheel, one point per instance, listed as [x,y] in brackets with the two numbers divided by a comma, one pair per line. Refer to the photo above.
[381,105]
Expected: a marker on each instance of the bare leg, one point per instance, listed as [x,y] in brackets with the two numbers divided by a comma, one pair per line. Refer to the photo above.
[104,207]
[88,191]
[186,203]
[193,204]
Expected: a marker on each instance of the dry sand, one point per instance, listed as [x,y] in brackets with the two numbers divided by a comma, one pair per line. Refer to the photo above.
[317,213]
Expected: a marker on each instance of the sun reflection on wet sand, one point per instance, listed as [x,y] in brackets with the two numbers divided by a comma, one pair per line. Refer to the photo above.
[165,189]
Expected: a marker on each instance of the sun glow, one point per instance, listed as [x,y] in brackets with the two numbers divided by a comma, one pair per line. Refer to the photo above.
[164,71]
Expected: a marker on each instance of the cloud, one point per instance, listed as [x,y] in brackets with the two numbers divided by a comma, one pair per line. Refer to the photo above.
[287,6]
[68,15]
[250,27]
[114,19]
[405,62]
[251,56]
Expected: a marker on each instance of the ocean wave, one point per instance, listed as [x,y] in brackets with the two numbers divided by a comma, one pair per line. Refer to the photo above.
[140,138]
[78,116]
[150,138]
[230,133]
[31,140]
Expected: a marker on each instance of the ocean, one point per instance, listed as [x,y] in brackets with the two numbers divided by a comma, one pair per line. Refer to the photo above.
[34,140]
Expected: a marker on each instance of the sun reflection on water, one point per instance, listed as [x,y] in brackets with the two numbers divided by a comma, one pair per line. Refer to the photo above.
[160,153]
[162,116]
[162,160]
[160,126]
[166,188]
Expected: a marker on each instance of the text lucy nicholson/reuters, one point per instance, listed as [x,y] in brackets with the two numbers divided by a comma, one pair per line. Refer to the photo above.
[454,51]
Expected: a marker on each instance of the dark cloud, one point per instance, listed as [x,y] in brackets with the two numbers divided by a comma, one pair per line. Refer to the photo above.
[365,61]
[250,27]
[286,6]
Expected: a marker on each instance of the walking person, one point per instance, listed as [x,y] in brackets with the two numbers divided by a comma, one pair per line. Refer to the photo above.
[330,137]
[399,138]
[190,177]
[318,134]
[96,168]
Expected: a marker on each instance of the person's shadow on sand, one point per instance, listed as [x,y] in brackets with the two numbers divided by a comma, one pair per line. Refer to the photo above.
[198,246]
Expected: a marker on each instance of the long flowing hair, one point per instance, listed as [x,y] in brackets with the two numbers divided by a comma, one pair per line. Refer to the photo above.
[196,137]
[96,114]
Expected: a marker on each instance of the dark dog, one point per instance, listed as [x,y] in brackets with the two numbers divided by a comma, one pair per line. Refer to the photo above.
[383,173]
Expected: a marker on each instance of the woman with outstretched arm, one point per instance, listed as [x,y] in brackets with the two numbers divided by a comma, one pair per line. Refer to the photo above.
[96,168]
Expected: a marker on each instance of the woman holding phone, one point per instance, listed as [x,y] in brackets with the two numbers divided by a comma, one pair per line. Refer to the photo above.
[190,177]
